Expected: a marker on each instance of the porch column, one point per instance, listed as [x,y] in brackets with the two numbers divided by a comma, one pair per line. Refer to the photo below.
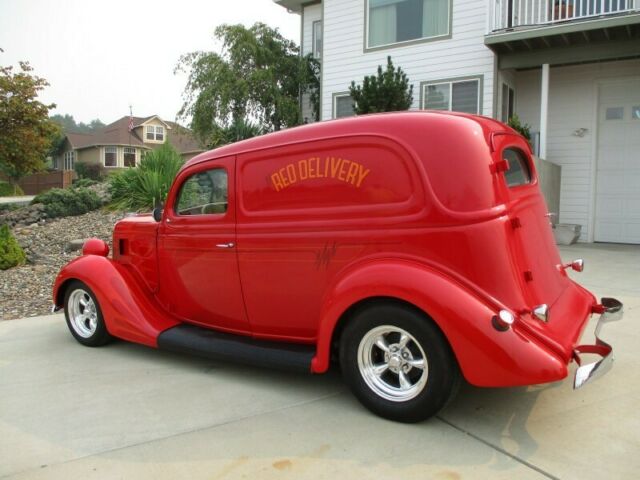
[544,108]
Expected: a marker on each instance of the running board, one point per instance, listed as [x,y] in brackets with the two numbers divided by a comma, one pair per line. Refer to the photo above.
[236,348]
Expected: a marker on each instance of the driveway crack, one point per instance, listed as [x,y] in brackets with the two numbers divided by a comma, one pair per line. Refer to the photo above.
[498,449]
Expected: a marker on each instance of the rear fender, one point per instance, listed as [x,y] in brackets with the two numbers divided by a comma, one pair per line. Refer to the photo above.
[130,311]
[486,356]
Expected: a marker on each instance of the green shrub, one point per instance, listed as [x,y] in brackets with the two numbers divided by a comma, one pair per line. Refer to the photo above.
[388,91]
[92,171]
[60,202]
[143,187]
[83,183]
[522,129]
[8,190]
[11,254]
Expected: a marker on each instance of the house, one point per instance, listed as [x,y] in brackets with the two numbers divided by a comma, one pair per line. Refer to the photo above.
[568,68]
[114,146]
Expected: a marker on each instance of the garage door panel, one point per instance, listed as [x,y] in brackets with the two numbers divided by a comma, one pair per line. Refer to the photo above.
[617,215]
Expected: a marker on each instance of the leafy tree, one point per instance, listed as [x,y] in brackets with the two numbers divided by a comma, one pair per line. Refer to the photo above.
[310,83]
[27,131]
[258,75]
[238,130]
[388,91]
[69,124]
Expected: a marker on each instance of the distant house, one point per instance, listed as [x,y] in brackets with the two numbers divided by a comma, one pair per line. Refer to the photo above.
[568,68]
[114,146]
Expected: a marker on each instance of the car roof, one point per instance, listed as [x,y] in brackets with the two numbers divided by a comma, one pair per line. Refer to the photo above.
[387,124]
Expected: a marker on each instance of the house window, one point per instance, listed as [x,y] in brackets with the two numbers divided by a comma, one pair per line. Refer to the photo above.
[155,133]
[203,193]
[69,160]
[507,102]
[396,21]
[317,39]
[343,105]
[110,156]
[129,157]
[454,95]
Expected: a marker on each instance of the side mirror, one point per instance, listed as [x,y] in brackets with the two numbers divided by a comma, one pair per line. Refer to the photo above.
[157,214]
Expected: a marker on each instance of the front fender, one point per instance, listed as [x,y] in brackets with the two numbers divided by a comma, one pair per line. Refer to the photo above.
[130,311]
[486,357]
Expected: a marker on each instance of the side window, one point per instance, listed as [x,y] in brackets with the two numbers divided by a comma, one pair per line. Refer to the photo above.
[203,193]
[518,172]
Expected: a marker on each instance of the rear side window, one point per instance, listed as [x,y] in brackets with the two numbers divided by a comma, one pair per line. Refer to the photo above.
[203,193]
[518,172]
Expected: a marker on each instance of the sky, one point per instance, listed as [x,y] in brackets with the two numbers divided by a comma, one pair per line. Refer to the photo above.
[102,56]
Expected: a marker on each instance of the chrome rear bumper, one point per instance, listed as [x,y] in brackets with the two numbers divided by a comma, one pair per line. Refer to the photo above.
[610,310]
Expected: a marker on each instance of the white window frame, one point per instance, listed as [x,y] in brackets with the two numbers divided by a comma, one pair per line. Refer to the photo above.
[314,39]
[335,104]
[155,131]
[511,94]
[69,160]
[450,82]
[104,156]
[132,151]
[368,47]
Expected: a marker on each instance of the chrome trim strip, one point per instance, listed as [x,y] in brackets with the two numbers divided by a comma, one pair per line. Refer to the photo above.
[612,311]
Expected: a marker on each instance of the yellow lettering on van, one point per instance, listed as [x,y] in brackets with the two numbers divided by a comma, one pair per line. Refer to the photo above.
[312,169]
[277,181]
[362,173]
[291,173]
[338,168]
[352,173]
[335,165]
[303,169]
[343,171]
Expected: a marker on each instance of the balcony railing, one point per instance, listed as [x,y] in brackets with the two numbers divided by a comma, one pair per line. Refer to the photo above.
[508,14]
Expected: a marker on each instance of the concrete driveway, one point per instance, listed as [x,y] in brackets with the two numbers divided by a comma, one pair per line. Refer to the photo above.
[126,411]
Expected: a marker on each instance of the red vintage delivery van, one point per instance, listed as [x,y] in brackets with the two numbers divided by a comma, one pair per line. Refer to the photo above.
[413,249]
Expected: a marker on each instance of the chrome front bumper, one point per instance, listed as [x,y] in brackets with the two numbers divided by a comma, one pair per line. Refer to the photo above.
[610,310]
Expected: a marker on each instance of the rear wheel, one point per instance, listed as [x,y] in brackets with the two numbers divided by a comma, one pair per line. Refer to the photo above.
[83,315]
[398,363]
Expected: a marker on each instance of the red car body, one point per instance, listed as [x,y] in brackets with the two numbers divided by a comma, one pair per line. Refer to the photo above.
[321,219]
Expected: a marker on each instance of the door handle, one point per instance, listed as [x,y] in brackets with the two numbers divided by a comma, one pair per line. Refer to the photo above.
[226,245]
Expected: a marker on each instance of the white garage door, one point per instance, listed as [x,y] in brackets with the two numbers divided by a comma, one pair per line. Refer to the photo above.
[617,216]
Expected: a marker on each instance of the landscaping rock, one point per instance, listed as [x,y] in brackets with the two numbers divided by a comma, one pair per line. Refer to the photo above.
[74,245]
[29,215]
[25,291]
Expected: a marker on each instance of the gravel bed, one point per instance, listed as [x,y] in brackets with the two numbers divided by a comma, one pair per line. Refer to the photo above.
[26,291]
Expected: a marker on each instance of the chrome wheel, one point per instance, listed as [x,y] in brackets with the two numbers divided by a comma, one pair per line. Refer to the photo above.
[83,314]
[392,363]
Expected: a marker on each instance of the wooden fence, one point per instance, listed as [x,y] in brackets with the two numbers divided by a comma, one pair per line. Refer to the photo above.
[39,182]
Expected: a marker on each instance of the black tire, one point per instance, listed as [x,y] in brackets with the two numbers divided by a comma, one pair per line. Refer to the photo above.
[385,395]
[91,332]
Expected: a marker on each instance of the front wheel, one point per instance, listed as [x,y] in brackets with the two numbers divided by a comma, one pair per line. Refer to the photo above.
[398,363]
[83,315]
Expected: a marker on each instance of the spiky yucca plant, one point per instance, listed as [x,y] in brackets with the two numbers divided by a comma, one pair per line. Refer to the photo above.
[143,187]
